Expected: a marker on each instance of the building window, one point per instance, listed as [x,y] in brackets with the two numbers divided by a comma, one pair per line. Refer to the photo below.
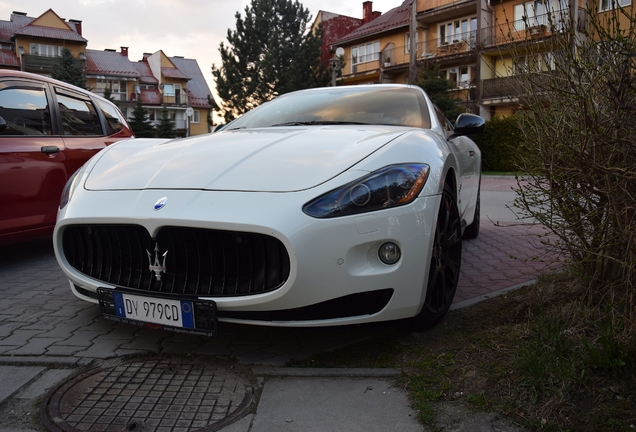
[459,76]
[613,4]
[462,30]
[147,86]
[365,53]
[168,89]
[196,118]
[407,41]
[45,50]
[543,13]
[118,88]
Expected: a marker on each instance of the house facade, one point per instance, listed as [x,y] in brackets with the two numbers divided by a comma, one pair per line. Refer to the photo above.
[33,44]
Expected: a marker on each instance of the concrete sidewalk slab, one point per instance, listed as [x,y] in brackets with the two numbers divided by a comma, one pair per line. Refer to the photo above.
[306,404]
[15,377]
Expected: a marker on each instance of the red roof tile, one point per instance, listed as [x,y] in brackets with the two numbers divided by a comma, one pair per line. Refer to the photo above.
[49,32]
[395,18]
[198,90]
[145,74]
[151,97]
[109,63]
[8,58]
[169,72]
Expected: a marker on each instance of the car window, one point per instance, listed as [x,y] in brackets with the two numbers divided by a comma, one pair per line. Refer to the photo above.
[114,119]
[79,116]
[350,105]
[25,110]
[444,122]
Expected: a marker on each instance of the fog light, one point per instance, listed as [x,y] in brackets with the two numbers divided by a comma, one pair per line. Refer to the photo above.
[389,253]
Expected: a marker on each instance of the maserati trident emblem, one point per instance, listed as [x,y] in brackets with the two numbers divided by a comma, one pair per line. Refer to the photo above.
[161,203]
[157,266]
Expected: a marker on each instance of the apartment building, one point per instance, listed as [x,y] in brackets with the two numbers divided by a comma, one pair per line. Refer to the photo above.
[33,44]
[472,42]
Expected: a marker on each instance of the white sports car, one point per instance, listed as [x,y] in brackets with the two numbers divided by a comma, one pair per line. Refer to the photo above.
[330,206]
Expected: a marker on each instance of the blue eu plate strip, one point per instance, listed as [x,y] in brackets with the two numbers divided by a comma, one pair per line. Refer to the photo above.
[187,314]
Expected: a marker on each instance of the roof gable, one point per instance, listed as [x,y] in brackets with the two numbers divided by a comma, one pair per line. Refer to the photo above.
[393,19]
[50,25]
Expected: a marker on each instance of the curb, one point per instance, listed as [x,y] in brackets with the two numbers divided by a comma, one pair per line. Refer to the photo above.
[327,372]
[473,301]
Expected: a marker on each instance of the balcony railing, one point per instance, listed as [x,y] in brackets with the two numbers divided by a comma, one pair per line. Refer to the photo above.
[440,47]
[525,29]
[516,86]
[38,63]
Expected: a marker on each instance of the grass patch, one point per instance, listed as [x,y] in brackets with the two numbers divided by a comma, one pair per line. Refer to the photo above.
[541,356]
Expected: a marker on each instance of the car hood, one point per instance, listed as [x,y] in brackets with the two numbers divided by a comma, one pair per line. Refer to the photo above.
[268,159]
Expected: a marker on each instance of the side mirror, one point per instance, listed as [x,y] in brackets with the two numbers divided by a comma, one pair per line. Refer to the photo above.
[468,124]
[3,125]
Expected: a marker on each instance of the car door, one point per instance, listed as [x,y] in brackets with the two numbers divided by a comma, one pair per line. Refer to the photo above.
[464,151]
[32,158]
[82,129]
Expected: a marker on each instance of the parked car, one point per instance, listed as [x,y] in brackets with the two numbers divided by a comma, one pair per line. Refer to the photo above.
[329,206]
[48,129]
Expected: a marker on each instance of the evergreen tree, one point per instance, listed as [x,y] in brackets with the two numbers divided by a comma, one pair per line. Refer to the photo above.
[437,87]
[140,123]
[108,94]
[165,128]
[69,69]
[271,52]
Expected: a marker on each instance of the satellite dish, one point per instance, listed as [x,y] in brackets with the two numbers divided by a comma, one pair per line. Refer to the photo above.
[340,51]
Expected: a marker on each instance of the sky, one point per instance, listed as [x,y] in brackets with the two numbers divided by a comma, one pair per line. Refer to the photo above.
[188,28]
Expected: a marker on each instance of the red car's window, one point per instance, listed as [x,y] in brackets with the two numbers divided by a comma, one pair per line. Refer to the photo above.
[26,111]
[78,116]
[114,120]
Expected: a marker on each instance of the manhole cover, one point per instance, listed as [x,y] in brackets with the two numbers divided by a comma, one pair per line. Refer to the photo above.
[150,395]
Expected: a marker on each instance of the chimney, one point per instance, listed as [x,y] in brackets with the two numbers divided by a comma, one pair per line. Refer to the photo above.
[78,25]
[367,12]
[124,51]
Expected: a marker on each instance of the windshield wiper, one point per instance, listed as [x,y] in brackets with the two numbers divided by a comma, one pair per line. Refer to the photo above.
[318,122]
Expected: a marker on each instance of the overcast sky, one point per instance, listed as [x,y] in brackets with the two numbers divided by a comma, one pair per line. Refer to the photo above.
[189,28]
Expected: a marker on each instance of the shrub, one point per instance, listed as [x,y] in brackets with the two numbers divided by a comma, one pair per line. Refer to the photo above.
[499,144]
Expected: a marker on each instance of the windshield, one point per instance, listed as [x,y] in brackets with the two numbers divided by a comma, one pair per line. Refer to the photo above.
[341,105]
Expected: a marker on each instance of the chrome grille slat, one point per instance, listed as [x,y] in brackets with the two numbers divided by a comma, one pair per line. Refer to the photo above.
[199,262]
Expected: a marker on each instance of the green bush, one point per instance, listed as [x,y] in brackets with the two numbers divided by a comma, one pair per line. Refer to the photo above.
[499,144]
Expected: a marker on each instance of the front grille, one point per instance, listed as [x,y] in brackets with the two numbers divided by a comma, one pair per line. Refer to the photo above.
[198,262]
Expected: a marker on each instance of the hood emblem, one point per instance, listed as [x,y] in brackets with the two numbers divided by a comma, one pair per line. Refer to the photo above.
[161,203]
[157,266]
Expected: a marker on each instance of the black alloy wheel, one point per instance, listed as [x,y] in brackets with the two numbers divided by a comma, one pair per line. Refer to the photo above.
[446,257]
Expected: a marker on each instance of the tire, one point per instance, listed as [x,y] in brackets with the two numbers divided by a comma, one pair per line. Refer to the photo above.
[446,258]
[472,230]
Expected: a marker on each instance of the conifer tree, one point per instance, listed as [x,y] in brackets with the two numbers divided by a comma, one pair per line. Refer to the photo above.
[69,69]
[165,128]
[140,123]
[271,52]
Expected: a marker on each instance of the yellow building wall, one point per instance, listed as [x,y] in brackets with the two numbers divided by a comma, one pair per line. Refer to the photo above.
[202,126]
[50,19]
[74,47]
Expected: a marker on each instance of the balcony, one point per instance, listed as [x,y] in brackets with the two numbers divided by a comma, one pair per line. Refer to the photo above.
[38,64]
[517,86]
[523,30]
[440,48]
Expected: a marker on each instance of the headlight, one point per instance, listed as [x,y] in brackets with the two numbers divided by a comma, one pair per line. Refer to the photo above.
[70,187]
[391,186]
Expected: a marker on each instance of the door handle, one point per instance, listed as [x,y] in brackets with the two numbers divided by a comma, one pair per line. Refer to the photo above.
[50,149]
[471,153]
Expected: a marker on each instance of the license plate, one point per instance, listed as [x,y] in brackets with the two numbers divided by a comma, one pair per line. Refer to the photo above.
[168,312]
[195,317]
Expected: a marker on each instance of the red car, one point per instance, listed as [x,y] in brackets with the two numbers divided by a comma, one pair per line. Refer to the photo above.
[48,129]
